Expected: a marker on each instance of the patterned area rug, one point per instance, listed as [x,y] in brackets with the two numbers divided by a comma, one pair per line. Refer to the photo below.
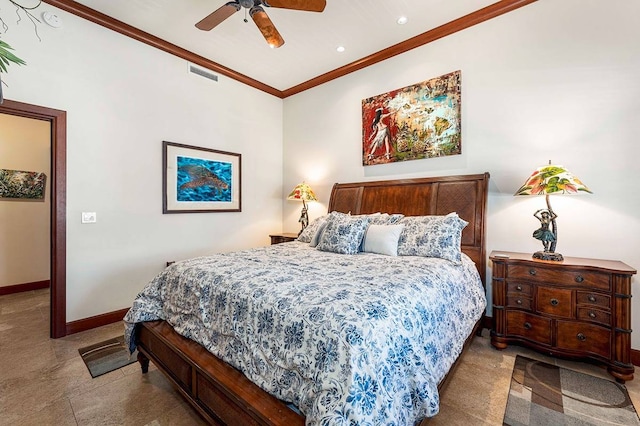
[545,394]
[106,356]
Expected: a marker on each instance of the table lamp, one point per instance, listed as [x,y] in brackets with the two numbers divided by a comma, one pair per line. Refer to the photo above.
[550,180]
[303,192]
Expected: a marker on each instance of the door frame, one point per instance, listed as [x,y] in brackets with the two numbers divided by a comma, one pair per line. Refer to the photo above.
[58,217]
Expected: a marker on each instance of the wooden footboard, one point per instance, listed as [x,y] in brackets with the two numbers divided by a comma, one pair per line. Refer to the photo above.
[220,393]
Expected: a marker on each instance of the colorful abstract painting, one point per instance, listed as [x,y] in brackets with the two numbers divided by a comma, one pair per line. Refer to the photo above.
[20,184]
[412,123]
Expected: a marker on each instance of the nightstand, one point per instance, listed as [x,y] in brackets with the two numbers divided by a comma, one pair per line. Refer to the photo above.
[283,238]
[577,308]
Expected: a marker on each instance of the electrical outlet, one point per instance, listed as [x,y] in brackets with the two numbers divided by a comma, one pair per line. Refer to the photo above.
[89,217]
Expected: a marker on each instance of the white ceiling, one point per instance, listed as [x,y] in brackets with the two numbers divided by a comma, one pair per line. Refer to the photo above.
[363,27]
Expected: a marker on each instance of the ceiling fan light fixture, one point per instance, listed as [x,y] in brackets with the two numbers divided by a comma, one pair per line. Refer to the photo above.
[266,27]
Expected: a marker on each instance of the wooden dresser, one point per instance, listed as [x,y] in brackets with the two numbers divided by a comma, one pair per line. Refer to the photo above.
[576,308]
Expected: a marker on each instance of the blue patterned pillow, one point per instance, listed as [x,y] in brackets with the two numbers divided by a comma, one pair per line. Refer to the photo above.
[384,218]
[394,218]
[318,235]
[343,233]
[307,233]
[432,236]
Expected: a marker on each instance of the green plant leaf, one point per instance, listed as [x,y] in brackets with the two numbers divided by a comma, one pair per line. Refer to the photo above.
[7,58]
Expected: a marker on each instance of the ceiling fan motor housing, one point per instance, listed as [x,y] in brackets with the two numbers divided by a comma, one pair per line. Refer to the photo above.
[249,3]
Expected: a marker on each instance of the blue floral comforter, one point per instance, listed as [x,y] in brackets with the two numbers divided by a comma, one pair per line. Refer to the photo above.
[349,339]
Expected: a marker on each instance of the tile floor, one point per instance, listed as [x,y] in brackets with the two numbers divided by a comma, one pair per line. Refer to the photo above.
[44,381]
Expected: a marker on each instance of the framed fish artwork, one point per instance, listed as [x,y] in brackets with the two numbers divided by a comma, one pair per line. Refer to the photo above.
[200,180]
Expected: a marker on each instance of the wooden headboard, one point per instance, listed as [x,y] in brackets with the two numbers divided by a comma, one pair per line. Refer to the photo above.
[464,194]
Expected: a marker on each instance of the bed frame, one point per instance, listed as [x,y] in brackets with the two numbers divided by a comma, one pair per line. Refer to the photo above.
[221,393]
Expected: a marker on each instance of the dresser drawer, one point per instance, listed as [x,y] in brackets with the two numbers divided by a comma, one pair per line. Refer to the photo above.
[518,301]
[584,338]
[554,301]
[593,298]
[594,315]
[529,326]
[559,276]
[519,288]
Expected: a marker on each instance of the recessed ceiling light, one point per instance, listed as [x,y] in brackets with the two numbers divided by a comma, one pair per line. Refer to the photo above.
[402,20]
[340,49]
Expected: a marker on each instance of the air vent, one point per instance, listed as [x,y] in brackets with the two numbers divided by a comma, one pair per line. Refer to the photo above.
[202,72]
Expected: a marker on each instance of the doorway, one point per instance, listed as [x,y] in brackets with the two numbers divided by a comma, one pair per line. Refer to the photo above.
[58,252]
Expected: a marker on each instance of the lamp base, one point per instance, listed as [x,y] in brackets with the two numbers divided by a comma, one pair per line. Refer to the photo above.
[546,255]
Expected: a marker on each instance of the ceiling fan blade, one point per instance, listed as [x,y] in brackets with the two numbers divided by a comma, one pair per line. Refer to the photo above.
[308,5]
[266,27]
[219,15]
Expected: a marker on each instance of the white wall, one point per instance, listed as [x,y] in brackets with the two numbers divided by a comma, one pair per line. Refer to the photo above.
[550,81]
[25,144]
[123,99]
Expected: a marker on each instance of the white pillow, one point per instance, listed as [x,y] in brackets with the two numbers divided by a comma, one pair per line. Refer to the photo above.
[382,239]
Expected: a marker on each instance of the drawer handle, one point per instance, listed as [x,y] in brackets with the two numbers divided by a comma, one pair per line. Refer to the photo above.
[592,314]
[592,298]
[554,302]
[532,271]
[581,337]
[527,326]
[519,287]
[579,278]
[519,302]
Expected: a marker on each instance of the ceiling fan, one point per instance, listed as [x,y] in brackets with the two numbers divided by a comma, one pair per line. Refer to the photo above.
[259,16]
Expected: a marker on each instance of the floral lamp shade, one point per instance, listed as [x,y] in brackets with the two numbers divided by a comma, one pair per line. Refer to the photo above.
[552,179]
[303,192]
[548,180]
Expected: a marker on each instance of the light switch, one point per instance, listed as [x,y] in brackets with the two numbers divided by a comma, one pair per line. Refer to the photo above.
[89,217]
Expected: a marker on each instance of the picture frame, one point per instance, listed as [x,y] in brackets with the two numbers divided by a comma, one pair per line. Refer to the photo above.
[414,122]
[200,180]
[22,185]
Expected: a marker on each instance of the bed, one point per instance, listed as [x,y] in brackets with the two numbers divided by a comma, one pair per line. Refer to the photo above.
[310,356]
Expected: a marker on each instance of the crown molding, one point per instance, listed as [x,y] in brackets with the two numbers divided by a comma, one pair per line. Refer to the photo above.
[474,18]
[103,20]
[481,15]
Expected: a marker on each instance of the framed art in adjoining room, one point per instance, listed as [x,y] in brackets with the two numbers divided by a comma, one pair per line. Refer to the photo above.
[414,122]
[200,180]
[22,185]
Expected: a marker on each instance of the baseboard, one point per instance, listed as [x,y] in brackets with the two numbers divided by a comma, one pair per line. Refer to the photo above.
[19,288]
[96,321]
